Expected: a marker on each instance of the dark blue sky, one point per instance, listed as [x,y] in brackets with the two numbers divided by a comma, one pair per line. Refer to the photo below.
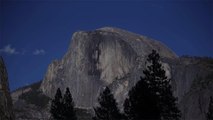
[33,33]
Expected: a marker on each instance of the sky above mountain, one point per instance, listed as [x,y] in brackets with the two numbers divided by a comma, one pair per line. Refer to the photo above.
[33,33]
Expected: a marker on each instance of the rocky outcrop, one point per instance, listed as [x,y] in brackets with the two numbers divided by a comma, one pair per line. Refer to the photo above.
[6,111]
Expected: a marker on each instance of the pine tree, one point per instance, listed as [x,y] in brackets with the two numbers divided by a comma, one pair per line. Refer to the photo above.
[141,104]
[155,92]
[168,105]
[62,108]
[68,106]
[57,106]
[159,84]
[210,110]
[108,109]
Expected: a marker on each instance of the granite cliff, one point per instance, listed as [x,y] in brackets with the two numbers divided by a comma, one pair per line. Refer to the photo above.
[116,58]
[99,58]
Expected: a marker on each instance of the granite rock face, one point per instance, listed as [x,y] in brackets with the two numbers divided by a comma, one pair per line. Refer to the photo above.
[193,85]
[6,110]
[99,58]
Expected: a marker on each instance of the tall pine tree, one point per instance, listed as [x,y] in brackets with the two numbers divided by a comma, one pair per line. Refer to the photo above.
[210,110]
[160,86]
[141,104]
[108,109]
[159,93]
[68,106]
[57,106]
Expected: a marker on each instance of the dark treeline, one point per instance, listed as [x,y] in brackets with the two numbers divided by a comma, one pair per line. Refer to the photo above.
[150,99]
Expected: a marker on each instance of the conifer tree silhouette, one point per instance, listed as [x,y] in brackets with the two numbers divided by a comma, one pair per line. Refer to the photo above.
[108,109]
[57,106]
[68,106]
[141,104]
[156,99]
